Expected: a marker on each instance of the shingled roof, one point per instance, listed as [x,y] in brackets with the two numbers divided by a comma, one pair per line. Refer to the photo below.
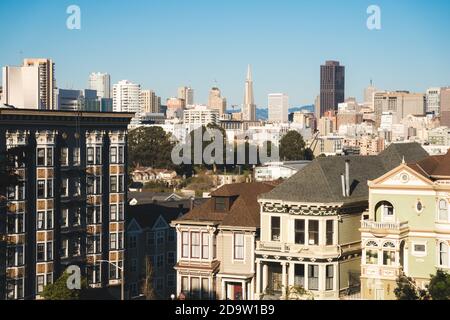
[244,211]
[320,181]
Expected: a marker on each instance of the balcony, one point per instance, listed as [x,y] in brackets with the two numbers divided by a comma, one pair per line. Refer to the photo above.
[383,227]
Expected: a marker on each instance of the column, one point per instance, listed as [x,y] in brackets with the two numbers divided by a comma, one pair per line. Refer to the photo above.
[284,279]
[244,290]
[178,283]
[265,277]
[224,290]
[211,245]
[258,279]
[291,274]
[322,275]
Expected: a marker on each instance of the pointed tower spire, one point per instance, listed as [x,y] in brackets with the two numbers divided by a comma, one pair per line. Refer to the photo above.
[249,73]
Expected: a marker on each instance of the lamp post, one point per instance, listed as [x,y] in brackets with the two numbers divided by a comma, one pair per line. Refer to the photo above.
[122,283]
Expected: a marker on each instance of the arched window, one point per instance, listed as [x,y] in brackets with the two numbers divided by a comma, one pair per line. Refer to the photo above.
[388,245]
[371,244]
[443,254]
[443,210]
[386,210]
[389,254]
[371,252]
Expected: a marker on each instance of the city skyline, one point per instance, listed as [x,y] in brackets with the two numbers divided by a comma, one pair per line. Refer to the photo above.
[405,34]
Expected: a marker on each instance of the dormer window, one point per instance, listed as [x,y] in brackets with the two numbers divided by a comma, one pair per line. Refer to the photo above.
[220,204]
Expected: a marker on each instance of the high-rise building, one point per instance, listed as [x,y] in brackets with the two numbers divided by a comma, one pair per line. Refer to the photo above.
[149,101]
[369,92]
[278,107]
[445,107]
[73,100]
[433,101]
[216,101]
[332,86]
[187,94]
[30,86]
[126,97]
[70,205]
[200,116]
[175,107]
[399,104]
[101,82]
[249,107]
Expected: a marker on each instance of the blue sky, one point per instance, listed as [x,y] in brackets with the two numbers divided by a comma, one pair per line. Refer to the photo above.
[163,44]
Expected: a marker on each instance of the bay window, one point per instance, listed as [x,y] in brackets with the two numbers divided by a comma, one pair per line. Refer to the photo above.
[195,245]
[185,244]
[239,239]
[205,245]
[313,232]
[313,277]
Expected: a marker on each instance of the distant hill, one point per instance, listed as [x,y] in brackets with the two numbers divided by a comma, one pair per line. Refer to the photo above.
[263,113]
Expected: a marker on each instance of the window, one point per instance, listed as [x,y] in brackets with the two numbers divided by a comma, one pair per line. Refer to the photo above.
[170,258]
[121,155]
[49,250]
[65,217]
[120,238]
[41,220]
[171,235]
[77,217]
[313,277]
[77,184]
[113,212]
[300,231]
[160,238]
[121,214]
[113,241]
[49,157]
[98,155]
[40,257]
[132,240]
[49,188]
[90,185]
[64,187]
[239,246]
[113,155]
[41,189]
[113,184]
[371,256]
[64,248]
[195,245]
[299,275]
[313,232]
[133,265]
[185,285]
[40,284]
[76,156]
[41,157]
[90,155]
[419,249]
[170,280]
[185,244]
[220,204]
[443,210]
[388,257]
[388,210]
[330,233]
[275,228]
[64,157]
[150,238]
[443,254]
[329,280]
[205,245]
[205,288]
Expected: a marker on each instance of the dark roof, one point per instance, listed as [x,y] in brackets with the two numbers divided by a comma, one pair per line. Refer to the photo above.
[434,167]
[320,181]
[244,211]
[152,197]
[147,214]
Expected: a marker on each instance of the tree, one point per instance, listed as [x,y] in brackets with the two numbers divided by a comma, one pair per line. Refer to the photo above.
[59,290]
[439,286]
[406,288]
[150,147]
[293,147]
[148,290]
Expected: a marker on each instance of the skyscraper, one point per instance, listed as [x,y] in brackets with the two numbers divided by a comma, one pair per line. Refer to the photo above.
[102,83]
[278,107]
[30,86]
[216,101]
[445,106]
[368,95]
[187,94]
[332,86]
[249,108]
[433,101]
[126,97]
[149,101]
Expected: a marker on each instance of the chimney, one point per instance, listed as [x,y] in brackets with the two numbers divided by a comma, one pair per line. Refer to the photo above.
[343,185]
[347,178]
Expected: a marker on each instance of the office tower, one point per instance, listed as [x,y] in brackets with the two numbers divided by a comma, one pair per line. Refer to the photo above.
[249,107]
[278,107]
[317,107]
[126,97]
[368,95]
[216,101]
[200,116]
[73,100]
[433,101]
[150,103]
[30,86]
[70,205]
[332,86]
[445,107]
[399,104]
[187,94]
[175,107]
[101,82]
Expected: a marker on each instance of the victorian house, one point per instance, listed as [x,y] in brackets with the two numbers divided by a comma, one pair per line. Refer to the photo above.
[310,225]
[407,228]
[216,244]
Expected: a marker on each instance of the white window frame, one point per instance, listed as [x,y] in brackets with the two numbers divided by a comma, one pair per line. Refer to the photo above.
[419,253]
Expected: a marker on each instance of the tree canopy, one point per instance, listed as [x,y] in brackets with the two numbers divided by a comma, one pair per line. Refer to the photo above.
[439,286]
[59,290]
[293,147]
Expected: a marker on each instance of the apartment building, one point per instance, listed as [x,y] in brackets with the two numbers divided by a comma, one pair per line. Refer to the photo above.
[407,226]
[69,206]
[310,225]
[216,244]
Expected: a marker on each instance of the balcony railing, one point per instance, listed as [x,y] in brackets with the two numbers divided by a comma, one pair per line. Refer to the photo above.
[376,225]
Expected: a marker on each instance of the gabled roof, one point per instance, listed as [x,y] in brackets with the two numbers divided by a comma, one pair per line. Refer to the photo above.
[320,181]
[433,167]
[244,211]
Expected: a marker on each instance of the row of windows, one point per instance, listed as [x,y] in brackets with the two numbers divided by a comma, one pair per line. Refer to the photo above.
[116,241]
[306,232]
[313,276]
[156,238]
[195,245]
[159,261]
